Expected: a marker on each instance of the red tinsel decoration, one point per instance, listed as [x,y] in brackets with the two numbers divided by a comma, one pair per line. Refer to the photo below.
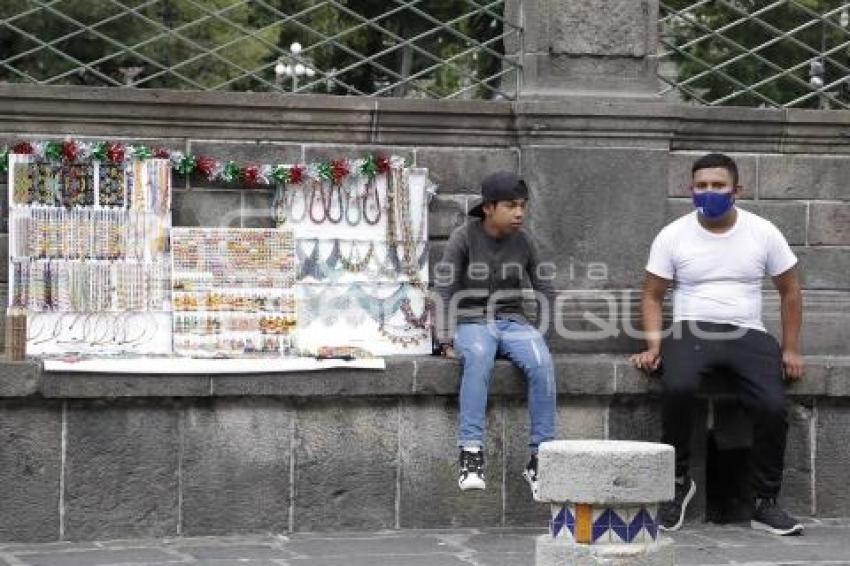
[205,166]
[296,174]
[24,148]
[339,169]
[161,153]
[383,163]
[115,152]
[251,175]
[69,150]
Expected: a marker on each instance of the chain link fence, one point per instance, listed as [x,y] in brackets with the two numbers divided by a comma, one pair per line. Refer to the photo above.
[406,48]
[784,53]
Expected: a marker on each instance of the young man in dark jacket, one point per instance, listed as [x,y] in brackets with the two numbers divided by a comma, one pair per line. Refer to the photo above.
[480,279]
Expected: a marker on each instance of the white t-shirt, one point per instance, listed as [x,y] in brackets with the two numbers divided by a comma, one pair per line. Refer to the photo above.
[718,277]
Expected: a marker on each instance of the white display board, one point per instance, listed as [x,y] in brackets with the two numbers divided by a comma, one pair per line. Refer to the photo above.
[88,255]
[350,291]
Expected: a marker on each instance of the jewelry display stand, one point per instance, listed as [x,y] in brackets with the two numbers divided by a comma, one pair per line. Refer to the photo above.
[88,255]
[362,260]
[232,292]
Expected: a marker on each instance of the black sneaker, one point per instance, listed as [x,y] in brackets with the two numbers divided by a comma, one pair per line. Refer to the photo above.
[769,516]
[672,513]
[471,470]
[530,475]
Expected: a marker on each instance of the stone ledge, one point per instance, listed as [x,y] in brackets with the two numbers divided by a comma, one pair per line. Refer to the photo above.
[425,376]
[20,379]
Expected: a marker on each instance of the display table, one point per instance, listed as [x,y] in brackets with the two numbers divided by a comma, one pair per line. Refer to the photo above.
[172,366]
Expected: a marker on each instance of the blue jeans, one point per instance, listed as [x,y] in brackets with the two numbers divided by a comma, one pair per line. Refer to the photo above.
[476,344]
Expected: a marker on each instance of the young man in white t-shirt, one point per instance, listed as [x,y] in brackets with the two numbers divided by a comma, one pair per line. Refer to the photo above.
[716,258]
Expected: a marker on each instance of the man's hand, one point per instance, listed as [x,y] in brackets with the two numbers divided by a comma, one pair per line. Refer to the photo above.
[648,360]
[792,363]
[449,352]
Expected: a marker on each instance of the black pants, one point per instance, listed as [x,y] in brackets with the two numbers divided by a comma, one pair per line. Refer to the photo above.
[754,358]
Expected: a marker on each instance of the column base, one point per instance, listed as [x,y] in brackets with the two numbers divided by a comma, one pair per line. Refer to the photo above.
[551,552]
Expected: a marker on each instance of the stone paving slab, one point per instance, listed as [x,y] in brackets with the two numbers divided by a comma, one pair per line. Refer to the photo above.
[826,542]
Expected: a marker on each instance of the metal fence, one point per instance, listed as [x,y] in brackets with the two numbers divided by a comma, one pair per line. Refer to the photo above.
[784,53]
[412,48]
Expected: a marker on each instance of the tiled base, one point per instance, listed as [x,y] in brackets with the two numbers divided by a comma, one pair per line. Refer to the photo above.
[588,524]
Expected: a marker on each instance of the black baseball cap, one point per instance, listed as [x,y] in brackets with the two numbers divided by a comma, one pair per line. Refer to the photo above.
[501,185]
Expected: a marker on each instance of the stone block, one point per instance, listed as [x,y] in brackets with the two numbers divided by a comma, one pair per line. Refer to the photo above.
[578,418]
[788,217]
[837,374]
[832,459]
[796,495]
[824,268]
[804,177]
[462,170]
[19,379]
[396,379]
[247,152]
[435,255]
[121,469]
[236,467]
[585,239]
[829,224]
[605,472]
[448,123]
[550,552]
[73,385]
[631,381]
[30,464]
[574,375]
[599,28]
[313,153]
[102,557]
[257,208]
[596,322]
[346,460]
[680,163]
[208,208]
[445,213]
[429,496]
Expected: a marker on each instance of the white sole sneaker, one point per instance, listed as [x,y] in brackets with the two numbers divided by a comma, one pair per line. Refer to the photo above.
[688,496]
[535,486]
[471,481]
[759,526]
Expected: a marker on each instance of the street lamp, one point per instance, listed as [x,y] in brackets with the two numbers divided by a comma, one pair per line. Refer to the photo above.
[293,68]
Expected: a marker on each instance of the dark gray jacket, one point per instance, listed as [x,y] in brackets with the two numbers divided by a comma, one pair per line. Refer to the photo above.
[494,271]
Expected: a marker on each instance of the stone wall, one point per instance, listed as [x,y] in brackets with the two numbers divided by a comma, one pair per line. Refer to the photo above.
[87,457]
[605,176]
[112,456]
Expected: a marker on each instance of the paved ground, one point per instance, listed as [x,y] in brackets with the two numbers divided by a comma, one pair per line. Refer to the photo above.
[825,542]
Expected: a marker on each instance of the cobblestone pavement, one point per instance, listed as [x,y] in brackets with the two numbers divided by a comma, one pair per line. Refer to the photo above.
[825,542]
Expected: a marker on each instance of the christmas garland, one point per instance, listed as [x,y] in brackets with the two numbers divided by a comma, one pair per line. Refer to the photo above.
[209,168]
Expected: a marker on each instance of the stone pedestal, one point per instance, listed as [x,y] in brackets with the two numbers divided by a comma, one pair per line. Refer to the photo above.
[598,48]
[604,498]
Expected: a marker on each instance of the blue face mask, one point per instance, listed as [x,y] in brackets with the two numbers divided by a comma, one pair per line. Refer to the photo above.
[713,205]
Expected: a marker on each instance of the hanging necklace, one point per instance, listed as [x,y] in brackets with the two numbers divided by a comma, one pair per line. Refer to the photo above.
[335,256]
[291,193]
[310,264]
[371,189]
[317,190]
[354,263]
[352,192]
[335,188]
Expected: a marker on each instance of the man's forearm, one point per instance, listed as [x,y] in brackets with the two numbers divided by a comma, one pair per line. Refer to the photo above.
[792,320]
[651,313]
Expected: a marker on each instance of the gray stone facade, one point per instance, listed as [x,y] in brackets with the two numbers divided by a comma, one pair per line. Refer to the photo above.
[94,456]
[148,456]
